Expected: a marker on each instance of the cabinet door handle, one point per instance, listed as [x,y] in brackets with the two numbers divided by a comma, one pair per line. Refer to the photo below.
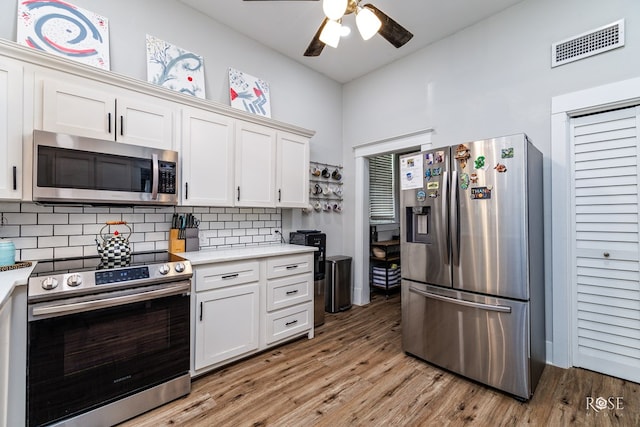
[292,292]
[292,267]
[238,193]
[109,121]
[15,178]
[186,190]
[121,125]
[230,276]
[201,311]
[293,322]
[279,195]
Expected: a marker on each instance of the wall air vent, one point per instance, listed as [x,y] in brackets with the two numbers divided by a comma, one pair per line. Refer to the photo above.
[588,44]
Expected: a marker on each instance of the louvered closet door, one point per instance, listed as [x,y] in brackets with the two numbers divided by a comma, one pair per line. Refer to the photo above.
[606,292]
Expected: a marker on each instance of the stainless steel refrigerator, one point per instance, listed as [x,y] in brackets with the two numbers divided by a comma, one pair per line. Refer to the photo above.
[472,261]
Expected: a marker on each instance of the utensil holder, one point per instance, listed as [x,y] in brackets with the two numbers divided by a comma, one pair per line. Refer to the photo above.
[192,242]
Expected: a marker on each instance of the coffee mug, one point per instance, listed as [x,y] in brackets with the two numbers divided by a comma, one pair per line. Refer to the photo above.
[326,190]
[336,175]
[315,171]
[317,206]
[308,208]
[327,207]
[326,173]
[337,191]
[317,189]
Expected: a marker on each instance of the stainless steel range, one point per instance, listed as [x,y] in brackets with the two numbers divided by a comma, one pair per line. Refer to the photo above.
[106,344]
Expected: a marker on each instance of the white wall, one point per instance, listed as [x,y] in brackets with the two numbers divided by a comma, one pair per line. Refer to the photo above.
[300,96]
[491,79]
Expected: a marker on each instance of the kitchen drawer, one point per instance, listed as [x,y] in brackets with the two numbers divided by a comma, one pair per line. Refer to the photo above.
[289,265]
[225,274]
[289,291]
[289,322]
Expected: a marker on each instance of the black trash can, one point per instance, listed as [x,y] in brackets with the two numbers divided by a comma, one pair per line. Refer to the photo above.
[337,296]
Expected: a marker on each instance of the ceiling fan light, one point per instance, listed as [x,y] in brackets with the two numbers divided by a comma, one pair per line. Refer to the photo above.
[330,34]
[367,22]
[334,9]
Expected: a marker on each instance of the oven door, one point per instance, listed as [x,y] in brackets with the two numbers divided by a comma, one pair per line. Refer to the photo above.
[86,353]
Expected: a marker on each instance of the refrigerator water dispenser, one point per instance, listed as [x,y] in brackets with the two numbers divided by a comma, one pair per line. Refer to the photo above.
[418,224]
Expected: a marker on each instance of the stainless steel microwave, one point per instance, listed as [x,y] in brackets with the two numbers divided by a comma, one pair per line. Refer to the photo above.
[78,170]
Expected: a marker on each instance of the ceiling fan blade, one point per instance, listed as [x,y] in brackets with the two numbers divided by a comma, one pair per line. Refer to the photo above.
[316,46]
[395,33]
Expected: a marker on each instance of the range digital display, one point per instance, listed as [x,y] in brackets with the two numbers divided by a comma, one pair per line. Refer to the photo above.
[124,275]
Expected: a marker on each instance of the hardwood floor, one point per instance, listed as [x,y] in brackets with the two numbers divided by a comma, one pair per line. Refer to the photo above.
[354,372]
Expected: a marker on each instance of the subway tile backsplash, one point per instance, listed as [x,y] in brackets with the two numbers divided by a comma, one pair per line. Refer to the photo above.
[44,232]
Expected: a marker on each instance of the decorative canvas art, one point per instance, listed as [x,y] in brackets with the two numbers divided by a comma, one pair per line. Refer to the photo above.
[249,93]
[63,29]
[174,68]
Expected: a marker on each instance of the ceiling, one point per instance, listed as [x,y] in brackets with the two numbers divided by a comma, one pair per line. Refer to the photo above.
[289,26]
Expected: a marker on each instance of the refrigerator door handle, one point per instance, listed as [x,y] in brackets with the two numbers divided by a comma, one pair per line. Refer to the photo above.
[445,213]
[488,307]
[455,219]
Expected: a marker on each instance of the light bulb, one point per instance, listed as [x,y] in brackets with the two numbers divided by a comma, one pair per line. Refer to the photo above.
[330,34]
[367,22]
[334,9]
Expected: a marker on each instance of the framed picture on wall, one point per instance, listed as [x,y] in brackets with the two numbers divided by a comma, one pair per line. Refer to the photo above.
[249,93]
[174,68]
[65,30]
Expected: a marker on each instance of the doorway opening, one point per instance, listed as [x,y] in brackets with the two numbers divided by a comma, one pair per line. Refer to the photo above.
[415,141]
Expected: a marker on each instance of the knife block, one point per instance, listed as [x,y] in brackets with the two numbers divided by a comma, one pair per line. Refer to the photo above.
[191,242]
[176,244]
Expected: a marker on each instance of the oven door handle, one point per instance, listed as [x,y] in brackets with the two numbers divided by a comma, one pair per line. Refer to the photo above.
[79,307]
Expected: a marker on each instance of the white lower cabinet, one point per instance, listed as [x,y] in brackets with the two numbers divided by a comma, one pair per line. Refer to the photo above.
[227,324]
[288,322]
[242,307]
[289,302]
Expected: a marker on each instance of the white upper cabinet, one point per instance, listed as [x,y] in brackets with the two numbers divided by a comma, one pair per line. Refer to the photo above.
[255,165]
[11,110]
[91,109]
[207,158]
[292,174]
[228,157]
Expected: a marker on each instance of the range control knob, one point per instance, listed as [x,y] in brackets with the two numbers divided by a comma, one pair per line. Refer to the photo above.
[74,280]
[49,283]
[179,267]
[164,269]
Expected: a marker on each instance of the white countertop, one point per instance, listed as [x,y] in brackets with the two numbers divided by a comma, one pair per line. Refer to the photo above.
[12,278]
[207,256]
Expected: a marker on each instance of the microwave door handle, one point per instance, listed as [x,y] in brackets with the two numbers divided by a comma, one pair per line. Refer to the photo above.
[156,175]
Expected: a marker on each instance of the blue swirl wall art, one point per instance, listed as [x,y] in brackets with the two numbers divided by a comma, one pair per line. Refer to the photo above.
[66,30]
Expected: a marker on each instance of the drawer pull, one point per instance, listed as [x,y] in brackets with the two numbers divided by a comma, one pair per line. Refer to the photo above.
[292,292]
[293,322]
[230,276]
[291,267]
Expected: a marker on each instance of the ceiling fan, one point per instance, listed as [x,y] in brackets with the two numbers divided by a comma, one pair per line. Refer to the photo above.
[369,20]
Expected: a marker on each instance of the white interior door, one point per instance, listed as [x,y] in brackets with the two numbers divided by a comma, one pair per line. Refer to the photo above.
[606,288]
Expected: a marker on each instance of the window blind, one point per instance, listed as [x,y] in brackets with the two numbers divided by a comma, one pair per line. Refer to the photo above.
[381,188]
